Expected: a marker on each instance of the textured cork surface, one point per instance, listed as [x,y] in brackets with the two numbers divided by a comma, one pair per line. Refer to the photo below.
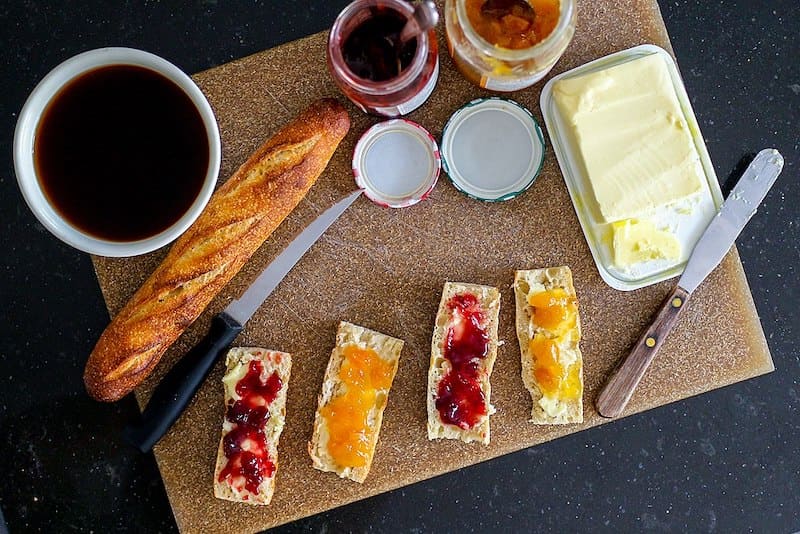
[384,269]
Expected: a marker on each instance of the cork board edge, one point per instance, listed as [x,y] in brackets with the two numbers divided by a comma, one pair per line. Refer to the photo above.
[759,342]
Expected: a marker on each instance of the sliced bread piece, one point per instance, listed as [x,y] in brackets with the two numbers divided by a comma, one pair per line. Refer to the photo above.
[354,394]
[463,351]
[255,384]
[549,333]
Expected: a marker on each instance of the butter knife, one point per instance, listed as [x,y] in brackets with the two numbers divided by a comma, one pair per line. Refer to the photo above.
[719,236]
[180,384]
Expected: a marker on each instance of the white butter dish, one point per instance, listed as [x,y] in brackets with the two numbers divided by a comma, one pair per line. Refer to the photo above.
[686,219]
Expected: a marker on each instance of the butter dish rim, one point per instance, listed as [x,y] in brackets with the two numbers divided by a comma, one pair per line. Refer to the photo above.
[567,159]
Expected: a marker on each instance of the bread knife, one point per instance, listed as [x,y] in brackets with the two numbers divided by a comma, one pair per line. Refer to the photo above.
[180,384]
[719,236]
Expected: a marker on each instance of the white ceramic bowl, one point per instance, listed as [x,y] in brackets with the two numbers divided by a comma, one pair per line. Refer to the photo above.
[25,133]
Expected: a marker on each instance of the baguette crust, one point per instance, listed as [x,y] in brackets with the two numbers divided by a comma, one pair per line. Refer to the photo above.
[237,362]
[240,216]
[388,348]
[526,283]
[489,301]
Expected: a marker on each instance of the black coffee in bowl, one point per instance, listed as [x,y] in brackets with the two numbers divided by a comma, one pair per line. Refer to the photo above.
[121,152]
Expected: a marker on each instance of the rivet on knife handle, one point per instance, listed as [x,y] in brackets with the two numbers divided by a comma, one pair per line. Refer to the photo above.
[619,388]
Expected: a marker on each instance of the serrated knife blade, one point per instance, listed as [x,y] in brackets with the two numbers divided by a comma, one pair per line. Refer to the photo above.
[245,306]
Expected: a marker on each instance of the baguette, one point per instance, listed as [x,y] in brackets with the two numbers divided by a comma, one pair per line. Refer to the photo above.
[466,323]
[249,431]
[240,216]
[552,365]
[354,394]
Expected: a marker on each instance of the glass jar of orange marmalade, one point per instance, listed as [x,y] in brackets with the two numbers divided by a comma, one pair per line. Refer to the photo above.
[501,45]
[370,66]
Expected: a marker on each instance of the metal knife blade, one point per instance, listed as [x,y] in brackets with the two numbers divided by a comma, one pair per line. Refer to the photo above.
[245,306]
[732,217]
[179,385]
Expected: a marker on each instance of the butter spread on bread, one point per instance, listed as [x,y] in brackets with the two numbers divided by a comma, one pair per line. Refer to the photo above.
[549,333]
[240,216]
[354,394]
[255,384]
[463,351]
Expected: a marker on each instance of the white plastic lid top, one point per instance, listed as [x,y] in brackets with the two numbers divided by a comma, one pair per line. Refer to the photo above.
[492,149]
[396,163]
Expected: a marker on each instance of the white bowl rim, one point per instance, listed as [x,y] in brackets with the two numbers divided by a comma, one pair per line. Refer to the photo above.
[24,137]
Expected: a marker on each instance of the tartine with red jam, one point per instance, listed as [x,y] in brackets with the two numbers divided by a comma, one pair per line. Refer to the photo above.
[463,351]
[255,408]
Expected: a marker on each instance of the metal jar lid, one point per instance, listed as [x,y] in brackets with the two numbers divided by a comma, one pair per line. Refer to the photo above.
[396,163]
[492,149]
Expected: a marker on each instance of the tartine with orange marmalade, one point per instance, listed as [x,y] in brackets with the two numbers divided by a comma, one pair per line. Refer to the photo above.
[549,333]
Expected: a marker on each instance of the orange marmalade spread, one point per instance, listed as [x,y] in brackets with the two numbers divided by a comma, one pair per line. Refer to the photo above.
[554,310]
[553,379]
[363,374]
[513,27]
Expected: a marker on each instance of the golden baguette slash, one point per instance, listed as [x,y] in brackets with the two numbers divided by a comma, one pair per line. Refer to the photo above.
[240,216]
[233,488]
[488,298]
[560,399]
[334,388]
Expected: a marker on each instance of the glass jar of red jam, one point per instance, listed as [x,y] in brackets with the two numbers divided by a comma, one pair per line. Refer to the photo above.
[372,68]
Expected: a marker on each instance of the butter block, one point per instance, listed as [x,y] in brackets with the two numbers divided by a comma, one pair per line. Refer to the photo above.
[636,241]
[632,136]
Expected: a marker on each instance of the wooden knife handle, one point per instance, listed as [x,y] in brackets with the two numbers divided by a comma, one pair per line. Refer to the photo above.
[618,390]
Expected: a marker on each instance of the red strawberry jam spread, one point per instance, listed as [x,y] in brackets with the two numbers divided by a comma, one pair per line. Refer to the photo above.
[245,446]
[459,398]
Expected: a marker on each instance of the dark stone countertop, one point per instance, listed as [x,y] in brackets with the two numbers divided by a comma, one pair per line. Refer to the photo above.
[726,461]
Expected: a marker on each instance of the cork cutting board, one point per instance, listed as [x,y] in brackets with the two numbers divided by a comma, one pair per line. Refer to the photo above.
[384,269]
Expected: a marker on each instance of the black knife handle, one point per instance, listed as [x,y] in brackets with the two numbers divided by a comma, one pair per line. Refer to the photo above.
[177,388]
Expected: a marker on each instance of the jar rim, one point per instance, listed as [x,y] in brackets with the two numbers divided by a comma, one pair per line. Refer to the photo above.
[336,40]
[566,12]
